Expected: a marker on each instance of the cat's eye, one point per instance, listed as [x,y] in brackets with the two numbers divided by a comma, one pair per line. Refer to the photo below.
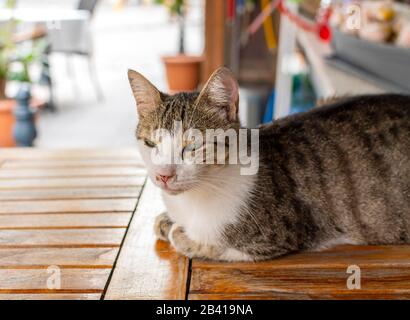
[149,143]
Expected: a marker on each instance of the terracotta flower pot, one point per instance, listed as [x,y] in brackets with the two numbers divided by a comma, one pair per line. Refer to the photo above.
[7,123]
[182,72]
[7,119]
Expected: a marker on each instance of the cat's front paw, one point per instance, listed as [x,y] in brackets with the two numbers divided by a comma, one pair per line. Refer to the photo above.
[181,242]
[162,226]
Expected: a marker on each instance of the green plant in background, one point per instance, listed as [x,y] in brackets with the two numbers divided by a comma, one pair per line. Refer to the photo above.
[15,59]
[177,8]
[23,58]
[6,47]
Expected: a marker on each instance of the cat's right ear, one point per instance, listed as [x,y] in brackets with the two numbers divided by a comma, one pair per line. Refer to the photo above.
[221,93]
[145,93]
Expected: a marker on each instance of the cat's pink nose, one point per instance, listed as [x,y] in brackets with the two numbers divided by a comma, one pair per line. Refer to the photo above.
[164,179]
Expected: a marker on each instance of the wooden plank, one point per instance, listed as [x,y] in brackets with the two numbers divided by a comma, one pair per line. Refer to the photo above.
[329,281]
[66,221]
[358,295]
[147,268]
[36,280]
[71,182]
[73,163]
[68,209]
[248,296]
[70,193]
[61,238]
[22,173]
[385,273]
[51,296]
[226,296]
[63,257]
[70,206]
[46,154]
[338,257]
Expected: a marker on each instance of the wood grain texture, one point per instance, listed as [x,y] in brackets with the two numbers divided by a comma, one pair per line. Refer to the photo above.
[356,295]
[70,182]
[69,164]
[341,256]
[64,221]
[68,209]
[63,257]
[147,268]
[22,173]
[36,280]
[71,206]
[306,280]
[70,193]
[385,273]
[62,238]
[69,154]
[51,296]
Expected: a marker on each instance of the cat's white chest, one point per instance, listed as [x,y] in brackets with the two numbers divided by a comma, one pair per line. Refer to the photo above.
[204,214]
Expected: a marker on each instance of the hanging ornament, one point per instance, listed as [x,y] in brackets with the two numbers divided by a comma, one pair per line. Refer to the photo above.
[320,26]
[325,33]
[322,19]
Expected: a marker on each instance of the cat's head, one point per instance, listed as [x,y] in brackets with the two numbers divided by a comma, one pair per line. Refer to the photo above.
[170,129]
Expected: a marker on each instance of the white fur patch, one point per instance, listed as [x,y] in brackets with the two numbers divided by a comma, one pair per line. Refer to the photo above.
[235,255]
[204,212]
[333,242]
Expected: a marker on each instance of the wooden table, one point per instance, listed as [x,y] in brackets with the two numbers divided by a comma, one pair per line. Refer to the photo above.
[79,215]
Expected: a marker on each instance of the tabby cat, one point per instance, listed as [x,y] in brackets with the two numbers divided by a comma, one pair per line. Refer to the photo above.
[339,174]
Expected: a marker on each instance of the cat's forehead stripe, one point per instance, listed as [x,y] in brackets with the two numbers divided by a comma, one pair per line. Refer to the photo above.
[177,107]
[182,107]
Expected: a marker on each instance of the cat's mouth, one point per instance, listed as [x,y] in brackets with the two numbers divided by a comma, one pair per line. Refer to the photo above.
[172,187]
[172,191]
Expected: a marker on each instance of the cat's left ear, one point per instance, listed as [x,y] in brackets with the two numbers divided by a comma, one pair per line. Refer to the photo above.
[221,92]
[146,95]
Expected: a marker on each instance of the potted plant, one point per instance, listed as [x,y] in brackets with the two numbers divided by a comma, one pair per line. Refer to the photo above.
[15,59]
[182,70]
[6,105]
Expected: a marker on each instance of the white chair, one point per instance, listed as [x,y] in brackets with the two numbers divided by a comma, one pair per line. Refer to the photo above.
[73,38]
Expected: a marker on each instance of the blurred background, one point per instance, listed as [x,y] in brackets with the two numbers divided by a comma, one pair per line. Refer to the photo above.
[63,63]
[94,108]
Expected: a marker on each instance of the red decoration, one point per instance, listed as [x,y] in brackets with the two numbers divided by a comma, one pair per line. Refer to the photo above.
[325,33]
[320,27]
[231,9]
